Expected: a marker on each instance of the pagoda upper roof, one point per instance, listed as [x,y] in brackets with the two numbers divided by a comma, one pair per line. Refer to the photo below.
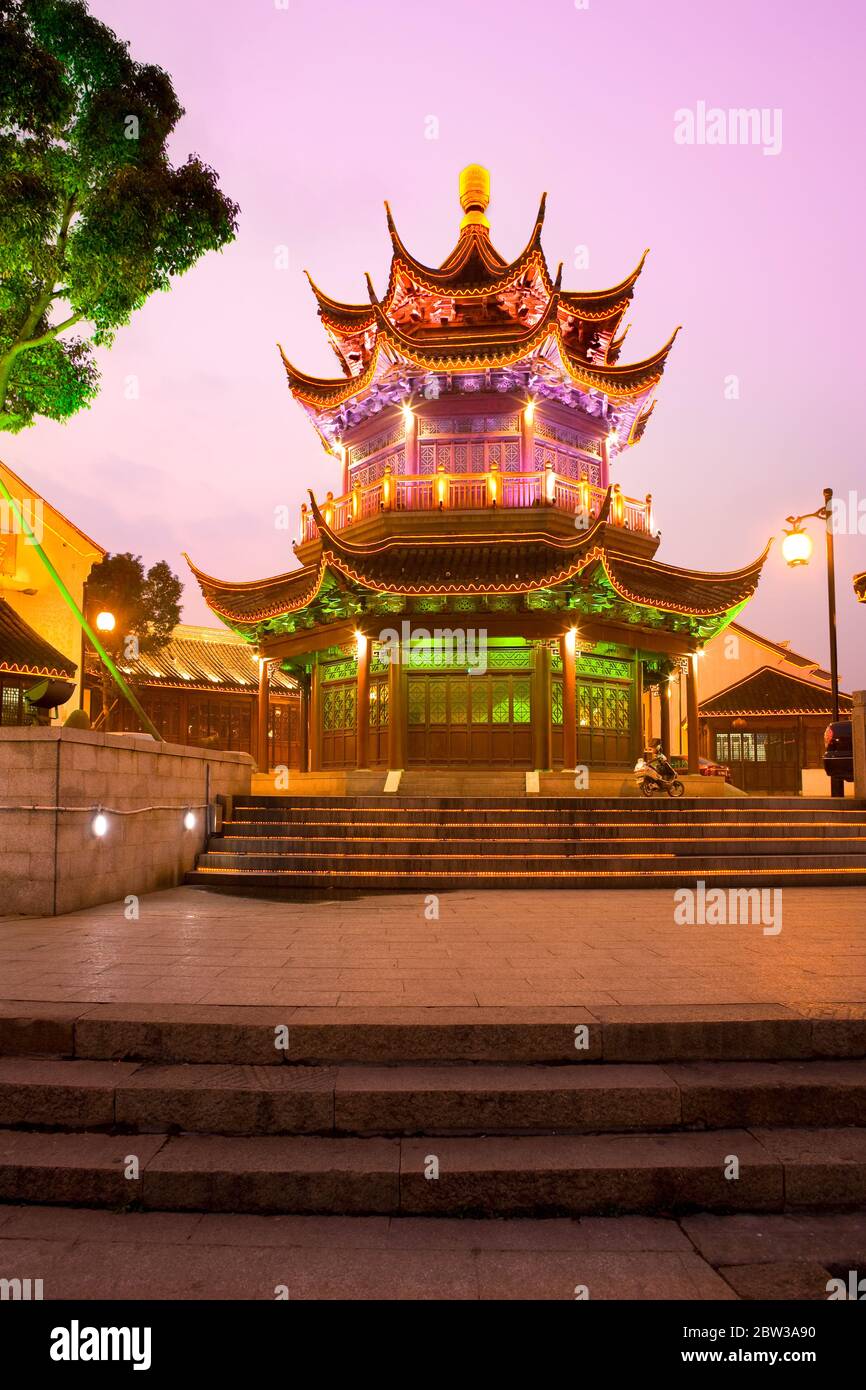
[477,310]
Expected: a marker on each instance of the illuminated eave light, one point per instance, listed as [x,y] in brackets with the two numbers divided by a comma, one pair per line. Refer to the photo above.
[99,825]
[529,412]
[189,821]
[105,622]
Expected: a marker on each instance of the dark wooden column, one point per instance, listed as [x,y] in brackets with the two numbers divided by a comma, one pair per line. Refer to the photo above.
[637,733]
[396,715]
[665,715]
[692,728]
[263,747]
[569,700]
[362,703]
[541,731]
[304,730]
[315,706]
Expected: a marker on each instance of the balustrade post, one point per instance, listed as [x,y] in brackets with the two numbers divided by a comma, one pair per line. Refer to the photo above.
[527,439]
[410,442]
[441,488]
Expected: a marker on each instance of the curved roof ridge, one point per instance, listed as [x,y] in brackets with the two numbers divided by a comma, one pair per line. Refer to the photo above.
[624,285]
[472,240]
[336,306]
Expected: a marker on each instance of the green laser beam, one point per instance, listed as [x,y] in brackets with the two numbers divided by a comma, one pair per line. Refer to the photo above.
[79,616]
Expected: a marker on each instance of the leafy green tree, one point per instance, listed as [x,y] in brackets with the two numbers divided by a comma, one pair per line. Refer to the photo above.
[93,217]
[146,607]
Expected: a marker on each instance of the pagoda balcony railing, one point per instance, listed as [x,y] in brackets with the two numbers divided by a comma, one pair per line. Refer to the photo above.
[477,492]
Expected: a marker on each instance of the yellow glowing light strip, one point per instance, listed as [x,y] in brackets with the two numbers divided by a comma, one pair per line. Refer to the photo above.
[570,840]
[677,874]
[531,824]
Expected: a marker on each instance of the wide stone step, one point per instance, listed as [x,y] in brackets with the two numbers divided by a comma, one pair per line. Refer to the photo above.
[658,811]
[536,847]
[329,876]
[480,1099]
[249,834]
[760,1170]
[780,805]
[275,1035]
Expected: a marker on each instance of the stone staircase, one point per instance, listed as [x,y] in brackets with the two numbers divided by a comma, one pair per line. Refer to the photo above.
[749,1114]
[272,844]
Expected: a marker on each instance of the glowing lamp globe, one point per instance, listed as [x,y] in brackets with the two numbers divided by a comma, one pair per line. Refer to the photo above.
[797,547]
[105,622]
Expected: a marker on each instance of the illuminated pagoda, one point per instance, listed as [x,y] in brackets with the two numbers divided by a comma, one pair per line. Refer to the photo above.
[474,429]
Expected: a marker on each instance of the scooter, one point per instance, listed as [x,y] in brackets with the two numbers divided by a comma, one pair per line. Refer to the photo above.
[655,775]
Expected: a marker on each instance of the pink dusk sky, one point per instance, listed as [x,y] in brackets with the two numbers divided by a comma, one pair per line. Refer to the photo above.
[314,112]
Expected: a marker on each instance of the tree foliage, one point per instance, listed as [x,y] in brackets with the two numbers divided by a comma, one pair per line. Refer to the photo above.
[93,217]
[145,605]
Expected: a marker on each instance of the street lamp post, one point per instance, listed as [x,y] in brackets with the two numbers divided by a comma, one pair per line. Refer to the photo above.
[797,550]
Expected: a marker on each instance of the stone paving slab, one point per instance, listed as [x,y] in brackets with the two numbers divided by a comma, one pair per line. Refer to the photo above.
[489,949]
[91,1253]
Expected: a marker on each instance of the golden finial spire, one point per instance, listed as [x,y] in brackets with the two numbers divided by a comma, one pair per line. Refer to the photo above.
[474,195]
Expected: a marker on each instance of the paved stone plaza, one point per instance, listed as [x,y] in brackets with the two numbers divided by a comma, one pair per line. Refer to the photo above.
[487,949]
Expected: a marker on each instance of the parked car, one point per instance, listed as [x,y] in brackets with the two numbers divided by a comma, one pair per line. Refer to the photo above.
[706,767]
[839,750]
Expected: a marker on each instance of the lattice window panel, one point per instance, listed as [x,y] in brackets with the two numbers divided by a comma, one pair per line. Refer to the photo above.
[561,434]
[437,702]
[340,671]
[417,702]
[501,702]
[469,424]
[556,702]
[607,667]
[374,470]
[11,707]
[459,702]
[372,446]
[509,658]
[379,705]
[479,703]
[521,701]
